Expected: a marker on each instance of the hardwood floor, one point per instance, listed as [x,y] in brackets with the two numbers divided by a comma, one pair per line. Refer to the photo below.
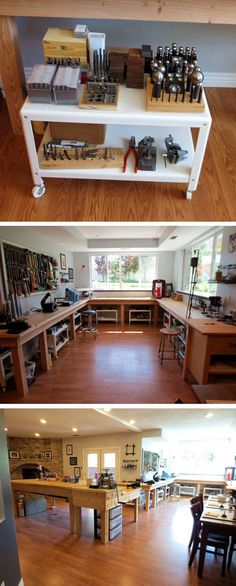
[72,200]
[116,368]
[152,551]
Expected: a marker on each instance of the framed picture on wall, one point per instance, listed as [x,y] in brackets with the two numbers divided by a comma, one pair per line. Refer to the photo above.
[47,455]
[71,274]
[63,261]
[14,454]
[69,450]
[232,243]
[77,471]
[73,461]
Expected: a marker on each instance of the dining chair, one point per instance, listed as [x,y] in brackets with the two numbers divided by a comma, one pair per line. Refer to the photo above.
[218,542]
[195,499]
[232,548]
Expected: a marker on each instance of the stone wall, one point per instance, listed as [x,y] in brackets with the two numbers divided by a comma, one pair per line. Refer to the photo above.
[35,451]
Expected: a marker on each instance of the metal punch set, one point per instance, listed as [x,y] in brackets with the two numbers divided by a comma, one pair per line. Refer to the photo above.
[175,71]
[100,87]
[74,150]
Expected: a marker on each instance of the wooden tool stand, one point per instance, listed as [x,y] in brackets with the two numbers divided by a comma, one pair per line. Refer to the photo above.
[129,119]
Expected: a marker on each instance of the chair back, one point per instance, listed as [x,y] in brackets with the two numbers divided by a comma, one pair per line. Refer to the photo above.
[197,499]
[196,512]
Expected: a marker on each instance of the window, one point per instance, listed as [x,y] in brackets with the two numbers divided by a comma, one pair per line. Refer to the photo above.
[123,271]
[208,261]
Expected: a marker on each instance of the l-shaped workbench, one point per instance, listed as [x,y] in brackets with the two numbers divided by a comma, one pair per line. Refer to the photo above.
[205,337]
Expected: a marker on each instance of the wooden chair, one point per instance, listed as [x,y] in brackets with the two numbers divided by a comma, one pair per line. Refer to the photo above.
[173,353]
[232,548]
[195,499]
[218,542]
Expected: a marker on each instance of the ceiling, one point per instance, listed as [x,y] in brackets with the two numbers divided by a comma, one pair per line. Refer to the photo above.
[94,236]
[176,423]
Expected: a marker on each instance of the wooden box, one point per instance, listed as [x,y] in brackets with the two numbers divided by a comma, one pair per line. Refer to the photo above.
[59,42]
[92,133]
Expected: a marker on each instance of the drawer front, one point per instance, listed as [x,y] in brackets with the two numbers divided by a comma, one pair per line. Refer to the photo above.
[223,345]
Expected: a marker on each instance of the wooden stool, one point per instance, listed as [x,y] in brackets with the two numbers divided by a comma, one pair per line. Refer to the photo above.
[169,332]
[175,491]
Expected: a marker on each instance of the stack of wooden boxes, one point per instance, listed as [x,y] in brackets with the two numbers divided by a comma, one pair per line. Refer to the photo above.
[63,44]
[135,69]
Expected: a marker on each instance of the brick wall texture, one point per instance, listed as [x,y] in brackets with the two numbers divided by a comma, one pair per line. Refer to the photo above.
[35,451]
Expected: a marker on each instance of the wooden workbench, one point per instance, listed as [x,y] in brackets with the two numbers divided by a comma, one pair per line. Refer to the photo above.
[178,309]
[208,338]
[11,68]
[39,323]
[79,496]
[123,302]
[153,488]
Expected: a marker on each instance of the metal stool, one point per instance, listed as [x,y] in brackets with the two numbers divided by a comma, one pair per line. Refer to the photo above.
[87,322]
[169,332]
[175,490]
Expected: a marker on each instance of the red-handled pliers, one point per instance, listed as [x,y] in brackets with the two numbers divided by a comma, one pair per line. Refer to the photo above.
[133,150]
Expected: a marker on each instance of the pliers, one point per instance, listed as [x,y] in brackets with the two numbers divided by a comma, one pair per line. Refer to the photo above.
[131,149]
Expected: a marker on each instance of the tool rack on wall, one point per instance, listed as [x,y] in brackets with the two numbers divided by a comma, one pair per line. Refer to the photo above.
[28,271]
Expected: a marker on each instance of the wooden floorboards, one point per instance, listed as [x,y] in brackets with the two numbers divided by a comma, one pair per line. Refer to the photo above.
[116,368]
[72,200]
[152,552]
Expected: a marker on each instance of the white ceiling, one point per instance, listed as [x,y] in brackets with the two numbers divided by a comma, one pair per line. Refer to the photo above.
[76,238]
[175,423]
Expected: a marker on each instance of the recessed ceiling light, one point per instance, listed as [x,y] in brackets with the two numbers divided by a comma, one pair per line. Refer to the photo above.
[131,421]
[43,421]
[37,434]
[107,409]
[5,428]
[208,415]
[74,429]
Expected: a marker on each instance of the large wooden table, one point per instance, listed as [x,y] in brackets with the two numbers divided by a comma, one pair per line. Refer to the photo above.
[219,526]
[11,68]
[123,302]
[79,496]
[39,323]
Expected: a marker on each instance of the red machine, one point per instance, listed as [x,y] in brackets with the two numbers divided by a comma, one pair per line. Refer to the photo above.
[158,288]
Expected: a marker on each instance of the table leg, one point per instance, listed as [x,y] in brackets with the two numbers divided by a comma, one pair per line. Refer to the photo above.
[78,518]
[155,319]
[136,510]
[72,518]
[122,314]
[72,327]
[104,527]
[43,345]
[154,492]
[147,505]
[19,370]
[202,551]
[12,72]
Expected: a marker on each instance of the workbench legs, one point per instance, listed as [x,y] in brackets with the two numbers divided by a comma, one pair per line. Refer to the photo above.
[19,370]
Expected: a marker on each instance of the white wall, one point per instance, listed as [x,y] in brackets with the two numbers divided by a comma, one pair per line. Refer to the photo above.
[216,44]
[82,269]
[28,238]
[116,440]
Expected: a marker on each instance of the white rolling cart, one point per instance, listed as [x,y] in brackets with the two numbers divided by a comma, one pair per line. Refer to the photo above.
[130,119]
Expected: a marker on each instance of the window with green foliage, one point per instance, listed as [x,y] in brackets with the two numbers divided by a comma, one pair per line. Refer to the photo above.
[209,251]
[123,271]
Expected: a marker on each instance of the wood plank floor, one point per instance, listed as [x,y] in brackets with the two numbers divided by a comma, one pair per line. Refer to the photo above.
[72,200]
[152,552]
[116,368]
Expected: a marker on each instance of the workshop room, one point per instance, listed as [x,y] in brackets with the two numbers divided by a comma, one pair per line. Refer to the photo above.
[118,314]
[118,495]
[121,100]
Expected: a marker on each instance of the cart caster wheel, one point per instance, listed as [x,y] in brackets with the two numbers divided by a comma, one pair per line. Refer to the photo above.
[38,191]
[189,194]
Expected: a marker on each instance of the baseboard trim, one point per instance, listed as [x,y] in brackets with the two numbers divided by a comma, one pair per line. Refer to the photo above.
[226,80]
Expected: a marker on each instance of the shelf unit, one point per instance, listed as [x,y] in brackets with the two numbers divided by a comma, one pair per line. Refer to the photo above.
[187,490]
[107,315]
[209,490]
[130,118]
[57,338]
[77,320]
[6,368]
[144,315]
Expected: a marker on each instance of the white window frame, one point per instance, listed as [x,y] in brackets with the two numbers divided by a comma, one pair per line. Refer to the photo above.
[123,253]
[195,245]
